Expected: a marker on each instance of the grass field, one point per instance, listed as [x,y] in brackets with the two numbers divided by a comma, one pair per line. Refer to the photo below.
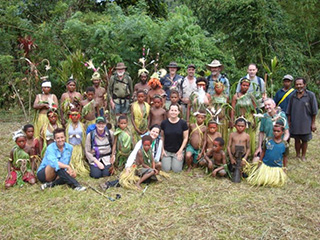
[187,206]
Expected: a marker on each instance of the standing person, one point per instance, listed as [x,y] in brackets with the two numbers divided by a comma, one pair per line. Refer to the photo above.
[69,99]
[89,107]
[199,99]
[302,110]
[76,136]
[267,121]
[170,80]
[186,86]
[143,84]
[216,67]
[98,149]
[54,168]
[120,90]
[99,95]
[257,85]
[157,113]
[156,89]
[283,95]
[175,137]
[42,103]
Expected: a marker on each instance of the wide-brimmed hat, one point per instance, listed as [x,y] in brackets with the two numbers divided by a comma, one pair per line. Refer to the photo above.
[173,65]
[120,65]
[288,77]
[96,76]
[214,63]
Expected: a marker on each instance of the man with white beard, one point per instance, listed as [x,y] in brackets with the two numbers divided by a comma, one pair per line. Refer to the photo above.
[120,90]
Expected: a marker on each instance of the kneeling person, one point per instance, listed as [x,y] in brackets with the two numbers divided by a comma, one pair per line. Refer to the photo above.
[216,158]
[54,168]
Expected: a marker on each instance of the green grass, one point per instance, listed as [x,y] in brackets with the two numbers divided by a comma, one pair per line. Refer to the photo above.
[187,206]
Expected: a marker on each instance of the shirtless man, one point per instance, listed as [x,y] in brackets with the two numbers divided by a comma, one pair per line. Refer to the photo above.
[89,108]
[157,112]
[143,84]
[216,158]
[99,97]
[239,138]
[69,99]
[196,139]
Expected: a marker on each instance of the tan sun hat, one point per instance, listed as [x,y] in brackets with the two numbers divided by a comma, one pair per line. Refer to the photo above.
[214,63]
[120,65]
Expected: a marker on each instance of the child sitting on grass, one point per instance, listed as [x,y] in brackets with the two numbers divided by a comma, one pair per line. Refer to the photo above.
[145,162]
[216,158]
[196,139]
[157,112]
[123,143]
[272,170]
[20,167]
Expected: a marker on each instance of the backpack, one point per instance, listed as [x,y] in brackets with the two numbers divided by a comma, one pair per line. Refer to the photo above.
[91,128]
[120,88]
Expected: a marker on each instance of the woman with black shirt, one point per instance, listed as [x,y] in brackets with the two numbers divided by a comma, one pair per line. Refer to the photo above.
[175,137]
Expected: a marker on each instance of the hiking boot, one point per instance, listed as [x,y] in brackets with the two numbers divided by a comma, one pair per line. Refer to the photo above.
[80,188]
[45,185]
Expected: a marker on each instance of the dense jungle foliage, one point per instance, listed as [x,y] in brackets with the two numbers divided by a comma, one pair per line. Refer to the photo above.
[69,33]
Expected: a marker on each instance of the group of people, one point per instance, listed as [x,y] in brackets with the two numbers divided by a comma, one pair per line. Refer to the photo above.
[161,124]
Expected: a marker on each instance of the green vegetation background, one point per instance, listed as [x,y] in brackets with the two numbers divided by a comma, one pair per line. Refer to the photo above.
[236,32]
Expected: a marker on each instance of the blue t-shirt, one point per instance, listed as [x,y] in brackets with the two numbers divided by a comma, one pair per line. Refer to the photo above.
[53,156]
[274,153]
[167,83]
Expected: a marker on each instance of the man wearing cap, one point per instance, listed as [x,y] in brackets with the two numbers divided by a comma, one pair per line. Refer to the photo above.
[186,86]
[257,85]
[69,99]
[120,90]
[99,95]
[216,67]
[302,111]
[283,95]
[42,103]
[170,80]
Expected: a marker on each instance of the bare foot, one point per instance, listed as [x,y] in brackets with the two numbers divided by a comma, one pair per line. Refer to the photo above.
[214,174]
[138,186]
[189,169]
[298,156]
[303,158]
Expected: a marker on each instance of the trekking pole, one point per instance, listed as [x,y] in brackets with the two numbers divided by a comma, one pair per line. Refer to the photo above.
[97,191]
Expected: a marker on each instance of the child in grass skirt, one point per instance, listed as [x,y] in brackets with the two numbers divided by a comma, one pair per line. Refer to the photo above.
[272,170]
[75,135]
[20,167]
[123,143]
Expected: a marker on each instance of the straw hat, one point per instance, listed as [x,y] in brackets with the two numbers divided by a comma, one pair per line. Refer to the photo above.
[214,63]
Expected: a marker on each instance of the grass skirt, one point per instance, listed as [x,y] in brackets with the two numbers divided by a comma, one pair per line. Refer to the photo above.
[77,161]
[39,122]
[264,175]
